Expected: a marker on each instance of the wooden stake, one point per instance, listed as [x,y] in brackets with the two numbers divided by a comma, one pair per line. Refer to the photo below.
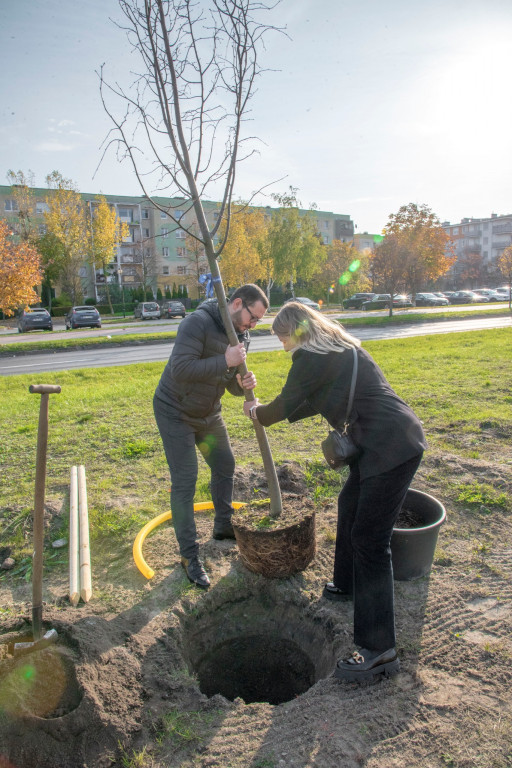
[74,556]
[85,553]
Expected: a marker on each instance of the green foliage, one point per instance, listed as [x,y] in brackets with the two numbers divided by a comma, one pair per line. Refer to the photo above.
[136,448]
[186,727]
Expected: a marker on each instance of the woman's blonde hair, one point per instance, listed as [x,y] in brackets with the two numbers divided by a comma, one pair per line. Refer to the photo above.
[310,330]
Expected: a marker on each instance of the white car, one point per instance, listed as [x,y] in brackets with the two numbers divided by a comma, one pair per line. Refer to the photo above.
[146,310]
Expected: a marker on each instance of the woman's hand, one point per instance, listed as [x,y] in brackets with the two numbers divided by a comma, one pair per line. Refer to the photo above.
[248,405]
[248,381]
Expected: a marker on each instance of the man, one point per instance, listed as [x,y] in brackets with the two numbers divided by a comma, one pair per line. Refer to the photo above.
[188,413]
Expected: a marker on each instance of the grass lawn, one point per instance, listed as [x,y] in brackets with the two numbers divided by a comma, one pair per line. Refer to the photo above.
[458,384]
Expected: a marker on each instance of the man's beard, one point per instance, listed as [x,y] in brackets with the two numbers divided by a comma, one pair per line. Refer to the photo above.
[236,319]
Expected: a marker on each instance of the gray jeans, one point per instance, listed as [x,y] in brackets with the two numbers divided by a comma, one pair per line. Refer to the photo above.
[180,436]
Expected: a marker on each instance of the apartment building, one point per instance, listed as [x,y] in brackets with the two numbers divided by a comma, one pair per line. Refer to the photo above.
[478,244]
[157,250]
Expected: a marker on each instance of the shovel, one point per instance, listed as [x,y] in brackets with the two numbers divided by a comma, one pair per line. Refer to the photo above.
[45,390]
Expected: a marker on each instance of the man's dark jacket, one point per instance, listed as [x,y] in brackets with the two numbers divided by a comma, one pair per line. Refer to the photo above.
[196,375]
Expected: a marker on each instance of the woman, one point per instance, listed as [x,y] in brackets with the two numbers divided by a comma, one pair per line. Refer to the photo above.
[391,443]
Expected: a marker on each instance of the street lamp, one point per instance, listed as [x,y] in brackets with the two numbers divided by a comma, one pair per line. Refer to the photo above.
[120,273]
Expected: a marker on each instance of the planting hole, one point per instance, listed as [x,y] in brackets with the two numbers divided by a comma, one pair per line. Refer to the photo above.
[258,650]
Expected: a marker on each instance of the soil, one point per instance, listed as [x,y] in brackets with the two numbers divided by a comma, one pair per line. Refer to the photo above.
[159,674]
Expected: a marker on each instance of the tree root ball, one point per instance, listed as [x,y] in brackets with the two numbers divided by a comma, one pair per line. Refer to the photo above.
[278,552]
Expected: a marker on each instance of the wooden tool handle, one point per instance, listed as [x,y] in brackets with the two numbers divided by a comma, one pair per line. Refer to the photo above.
[44,389]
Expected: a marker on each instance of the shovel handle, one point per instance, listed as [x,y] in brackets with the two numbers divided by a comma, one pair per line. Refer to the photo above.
[44,389]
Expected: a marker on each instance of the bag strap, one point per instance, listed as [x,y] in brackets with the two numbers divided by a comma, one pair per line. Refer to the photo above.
[351,393]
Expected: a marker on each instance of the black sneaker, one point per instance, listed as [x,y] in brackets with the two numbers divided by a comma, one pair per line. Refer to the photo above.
[224,531]
[196,574]
[335,593]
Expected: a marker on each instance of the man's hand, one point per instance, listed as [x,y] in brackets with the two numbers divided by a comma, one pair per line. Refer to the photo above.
[248,404]
[235,355]
[248,381]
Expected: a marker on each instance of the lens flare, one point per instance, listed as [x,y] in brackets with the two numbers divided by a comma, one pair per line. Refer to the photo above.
[354,266]
[345,278]
[36,687]
[207,445]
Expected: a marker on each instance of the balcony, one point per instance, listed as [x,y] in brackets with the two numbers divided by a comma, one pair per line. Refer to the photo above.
[502,229]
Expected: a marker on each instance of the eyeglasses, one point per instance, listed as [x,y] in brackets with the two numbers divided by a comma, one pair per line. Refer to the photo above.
[254,318]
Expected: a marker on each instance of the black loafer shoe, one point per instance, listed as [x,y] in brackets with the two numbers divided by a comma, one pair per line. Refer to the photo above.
[334,593]
[225,531]
[364,665]
[196,574]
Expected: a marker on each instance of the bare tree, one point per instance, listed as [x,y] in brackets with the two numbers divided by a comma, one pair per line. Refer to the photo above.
[181,119]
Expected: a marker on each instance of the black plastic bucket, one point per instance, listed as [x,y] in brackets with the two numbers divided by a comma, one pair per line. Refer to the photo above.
[412,549]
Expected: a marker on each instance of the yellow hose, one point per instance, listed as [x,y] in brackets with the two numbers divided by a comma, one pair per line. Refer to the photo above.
[139,540]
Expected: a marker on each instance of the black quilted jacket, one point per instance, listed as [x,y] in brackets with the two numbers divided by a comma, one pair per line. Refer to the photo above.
[196,376]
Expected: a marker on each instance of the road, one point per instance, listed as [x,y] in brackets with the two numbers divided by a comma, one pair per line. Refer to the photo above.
[103,358]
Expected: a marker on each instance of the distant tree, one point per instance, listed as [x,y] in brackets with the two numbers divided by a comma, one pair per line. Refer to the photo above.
[505,267]
[20,272]
[107,231]
[241,257]
[421,245]
[388,265]
[195,257]
[53,261]
[293,245]
[159,294]
[23,194]
[470,268]
[168,294]
[67,219]
[344,271]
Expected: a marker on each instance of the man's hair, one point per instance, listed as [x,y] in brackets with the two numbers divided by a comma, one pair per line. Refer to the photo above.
[249,294]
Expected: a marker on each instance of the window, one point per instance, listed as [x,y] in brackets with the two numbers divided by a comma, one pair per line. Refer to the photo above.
[165,253]
[167,287]
[180,252]
[455,230]
[163,215]
[165,269]
[164,231]
[11,205]
[146,232]
[145,213]
[42,207]
[181,270]
[126,214]
[326,225]
[326,240]
[178,214]
[181,234]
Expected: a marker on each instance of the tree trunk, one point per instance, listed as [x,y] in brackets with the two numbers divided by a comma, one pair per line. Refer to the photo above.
[276,506]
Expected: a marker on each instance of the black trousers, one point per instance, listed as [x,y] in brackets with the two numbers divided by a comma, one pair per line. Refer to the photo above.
[367,510]
[180,436]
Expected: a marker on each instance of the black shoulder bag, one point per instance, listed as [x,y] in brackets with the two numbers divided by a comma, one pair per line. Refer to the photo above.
[338,447]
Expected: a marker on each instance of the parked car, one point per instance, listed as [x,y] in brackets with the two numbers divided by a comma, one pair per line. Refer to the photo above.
[306,301]
[467,297]
[33,319]
[146,310]
[430,300]
[356,301]
[172,309]
[82,317]
[491,294]
[383,301]
[442,294]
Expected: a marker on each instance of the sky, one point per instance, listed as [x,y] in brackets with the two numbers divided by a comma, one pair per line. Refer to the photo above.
[365,105]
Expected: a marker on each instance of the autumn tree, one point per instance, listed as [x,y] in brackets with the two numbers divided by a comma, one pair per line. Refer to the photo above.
[194,257]
[181,121]
[505,267]
[22,190]
[53,262]
[345,270]
[388,266]
[241,257]
[420,244]
[107,232]
[293,245]
[20,272]
[67,218]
